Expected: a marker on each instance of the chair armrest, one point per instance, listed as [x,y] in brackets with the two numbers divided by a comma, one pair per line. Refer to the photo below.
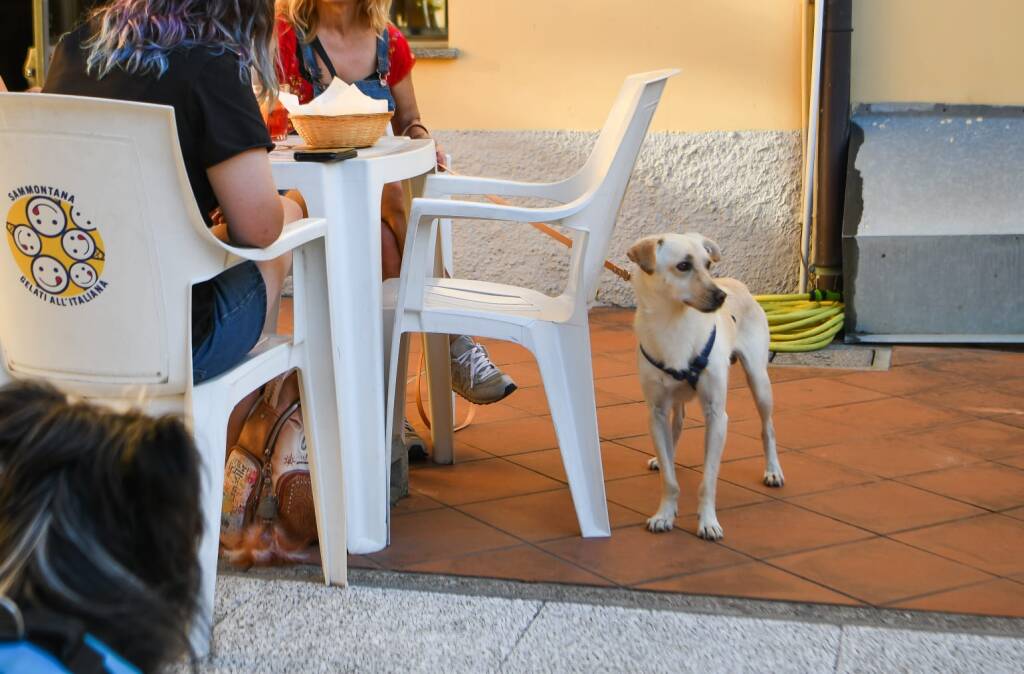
[293,235]
[423,208]
[445,184]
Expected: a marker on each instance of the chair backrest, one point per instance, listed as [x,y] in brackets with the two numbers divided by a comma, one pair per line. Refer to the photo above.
[606,175]
[103,242]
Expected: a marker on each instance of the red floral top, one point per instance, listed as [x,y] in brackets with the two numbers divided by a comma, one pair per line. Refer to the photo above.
[288,72]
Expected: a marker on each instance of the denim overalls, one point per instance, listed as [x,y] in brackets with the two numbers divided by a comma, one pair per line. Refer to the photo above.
[374,86]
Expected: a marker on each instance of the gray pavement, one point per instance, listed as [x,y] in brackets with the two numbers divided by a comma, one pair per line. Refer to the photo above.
[285,621]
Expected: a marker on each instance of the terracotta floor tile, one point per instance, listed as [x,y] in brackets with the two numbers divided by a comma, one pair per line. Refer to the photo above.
[533,400]
[513,436]
[524,562]
[463,452]
[623,421]
[739,405]
[891,415]
[504,353]
[1015,461]
[900,380]
[1012,386]
[485,414]
[905,355]
[602,341]
[992,543]
[618,462]
[607,366]
[984,438]
[690,451]
[997,597]
[804,475]
[773,528]
[525,374]
[982,366]
[627,386]
[1017,513]
[879,570]
[755,580]
[1015,420]
[478,481]
[980,400]
[893,455]
[414,503]
[799,430]
[437,534]
[542,517]
[989,485]
[634,555]
[884,507]
[643,493]
[816,392]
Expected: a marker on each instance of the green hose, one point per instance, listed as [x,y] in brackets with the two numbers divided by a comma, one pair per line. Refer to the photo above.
[802,321]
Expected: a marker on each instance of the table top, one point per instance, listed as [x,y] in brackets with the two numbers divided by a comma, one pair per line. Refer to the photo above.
[387,146]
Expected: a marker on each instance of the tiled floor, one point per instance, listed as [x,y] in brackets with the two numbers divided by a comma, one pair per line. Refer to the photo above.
[904,488]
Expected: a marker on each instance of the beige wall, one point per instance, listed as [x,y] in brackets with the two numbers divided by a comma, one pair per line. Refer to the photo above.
[947,51]
[557,64]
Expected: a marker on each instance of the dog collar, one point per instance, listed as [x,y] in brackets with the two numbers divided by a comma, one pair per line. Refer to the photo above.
[691,375]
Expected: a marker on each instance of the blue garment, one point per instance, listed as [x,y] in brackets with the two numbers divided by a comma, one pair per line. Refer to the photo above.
[239,312]
[22,657]
[374,86]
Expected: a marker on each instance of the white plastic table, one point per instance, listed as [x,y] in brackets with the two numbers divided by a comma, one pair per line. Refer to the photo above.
[348,194]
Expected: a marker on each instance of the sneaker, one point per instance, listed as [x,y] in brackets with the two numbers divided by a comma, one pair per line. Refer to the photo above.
[474,376]
[414,444]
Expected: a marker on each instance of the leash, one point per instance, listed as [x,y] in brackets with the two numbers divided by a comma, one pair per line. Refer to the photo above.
[421,408]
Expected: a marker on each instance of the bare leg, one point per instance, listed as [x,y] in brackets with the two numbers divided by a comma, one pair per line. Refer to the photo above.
[390,255]
[663,436]
[716,422]
[276,271]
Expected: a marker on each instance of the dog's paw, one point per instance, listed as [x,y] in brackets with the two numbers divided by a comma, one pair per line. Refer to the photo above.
[774,478]
[653,464]
[659,523]
[709,529]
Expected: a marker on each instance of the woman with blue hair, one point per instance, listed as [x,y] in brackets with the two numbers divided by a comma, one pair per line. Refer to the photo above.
[197,56]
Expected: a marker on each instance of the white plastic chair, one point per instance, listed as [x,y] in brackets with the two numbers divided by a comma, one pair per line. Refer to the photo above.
[555,329]
[115,168]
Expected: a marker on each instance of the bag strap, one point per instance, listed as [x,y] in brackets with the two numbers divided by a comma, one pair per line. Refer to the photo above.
[318,47]
[60,636]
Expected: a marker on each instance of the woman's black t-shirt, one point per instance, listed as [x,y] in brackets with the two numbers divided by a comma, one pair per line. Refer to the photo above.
[215,111]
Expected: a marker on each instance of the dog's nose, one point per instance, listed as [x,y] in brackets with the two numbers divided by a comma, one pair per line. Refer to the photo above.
[719,297]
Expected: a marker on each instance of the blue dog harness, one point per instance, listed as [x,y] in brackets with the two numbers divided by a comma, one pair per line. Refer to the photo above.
[691,375]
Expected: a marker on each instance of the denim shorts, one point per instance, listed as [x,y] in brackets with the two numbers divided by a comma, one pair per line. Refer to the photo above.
[239,311]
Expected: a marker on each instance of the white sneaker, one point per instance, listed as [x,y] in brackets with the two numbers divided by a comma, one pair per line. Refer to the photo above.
[474,376]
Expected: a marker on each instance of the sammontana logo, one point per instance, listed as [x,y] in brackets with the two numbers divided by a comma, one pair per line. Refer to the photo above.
[56,246]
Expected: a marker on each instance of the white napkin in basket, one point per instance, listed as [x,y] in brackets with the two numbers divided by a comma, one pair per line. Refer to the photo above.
[338,99]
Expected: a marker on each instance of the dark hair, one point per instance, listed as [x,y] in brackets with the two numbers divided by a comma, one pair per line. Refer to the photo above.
[100,520]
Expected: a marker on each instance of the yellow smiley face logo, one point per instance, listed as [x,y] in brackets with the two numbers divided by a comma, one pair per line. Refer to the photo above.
[55,245]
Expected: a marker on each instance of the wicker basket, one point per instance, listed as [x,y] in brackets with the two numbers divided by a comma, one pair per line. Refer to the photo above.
[342,130]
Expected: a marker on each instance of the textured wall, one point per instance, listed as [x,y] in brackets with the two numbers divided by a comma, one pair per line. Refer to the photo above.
[741,188]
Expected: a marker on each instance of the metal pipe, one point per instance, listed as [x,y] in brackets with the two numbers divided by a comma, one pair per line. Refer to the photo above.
[827,258]
[812,144]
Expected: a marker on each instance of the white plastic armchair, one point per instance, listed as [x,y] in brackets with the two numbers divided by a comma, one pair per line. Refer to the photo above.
[104,244]
[555,329]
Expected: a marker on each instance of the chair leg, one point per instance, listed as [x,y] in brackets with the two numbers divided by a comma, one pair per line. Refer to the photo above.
[439,384]
[209,426]
[563,357]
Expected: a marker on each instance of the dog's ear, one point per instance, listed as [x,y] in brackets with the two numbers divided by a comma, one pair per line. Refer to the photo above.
[644,253]
[711,247]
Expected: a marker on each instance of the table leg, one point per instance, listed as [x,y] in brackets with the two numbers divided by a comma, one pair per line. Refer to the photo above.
[354,284]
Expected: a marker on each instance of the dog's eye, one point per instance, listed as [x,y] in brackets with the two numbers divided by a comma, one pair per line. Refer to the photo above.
[684,266]
[707,265]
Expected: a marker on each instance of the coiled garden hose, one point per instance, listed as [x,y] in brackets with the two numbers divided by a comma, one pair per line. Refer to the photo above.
[802,321]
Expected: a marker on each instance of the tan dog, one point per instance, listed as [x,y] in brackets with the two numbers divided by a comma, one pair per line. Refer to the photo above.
[690,327]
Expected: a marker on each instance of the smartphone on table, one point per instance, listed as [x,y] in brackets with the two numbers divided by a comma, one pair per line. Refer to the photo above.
[334,155]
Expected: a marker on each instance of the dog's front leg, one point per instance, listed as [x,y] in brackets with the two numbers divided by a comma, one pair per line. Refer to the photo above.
[716,422]
[661,434]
